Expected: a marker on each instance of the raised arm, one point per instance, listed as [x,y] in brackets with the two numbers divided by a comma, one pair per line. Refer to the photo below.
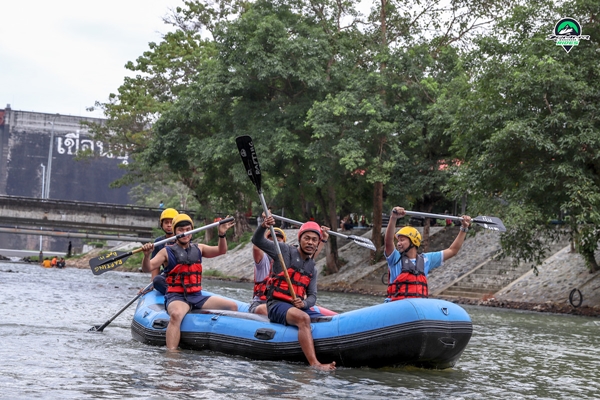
[323,242]
[391,228]
[221,248]
[460,238]
[149,265]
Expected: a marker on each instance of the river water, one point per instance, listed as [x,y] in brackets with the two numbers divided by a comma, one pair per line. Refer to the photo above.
[47,352]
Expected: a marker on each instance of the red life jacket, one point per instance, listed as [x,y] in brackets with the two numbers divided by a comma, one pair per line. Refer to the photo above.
[260,288]
[186,275]
[279,289]
[411,282]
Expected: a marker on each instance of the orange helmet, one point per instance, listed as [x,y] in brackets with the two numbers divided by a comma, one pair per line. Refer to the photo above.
[310,226]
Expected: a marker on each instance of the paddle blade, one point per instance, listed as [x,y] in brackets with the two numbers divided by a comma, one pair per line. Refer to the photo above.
[364,242]
[249,158]
[95,328]
[491,223]
[107,262]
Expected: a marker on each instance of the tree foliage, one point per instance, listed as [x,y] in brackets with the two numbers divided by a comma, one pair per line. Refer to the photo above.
[529,129]
[414,104]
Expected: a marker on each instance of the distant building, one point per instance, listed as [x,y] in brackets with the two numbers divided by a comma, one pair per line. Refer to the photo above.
[24,147]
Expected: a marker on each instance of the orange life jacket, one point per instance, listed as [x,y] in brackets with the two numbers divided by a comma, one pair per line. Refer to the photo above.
[260,288]
[411,282]
[185,276]
[279,289]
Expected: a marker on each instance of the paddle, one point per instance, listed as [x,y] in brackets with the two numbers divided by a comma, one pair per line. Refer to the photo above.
[100,328]
[250,160]
[357,239]
[491,223]
[112,260]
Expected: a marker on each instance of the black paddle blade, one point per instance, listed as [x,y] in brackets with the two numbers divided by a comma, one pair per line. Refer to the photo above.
[491,223]
[249,158]
[95,328]
[107,262]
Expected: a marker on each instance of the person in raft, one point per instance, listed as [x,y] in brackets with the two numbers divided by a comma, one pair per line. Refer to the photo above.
[281,308]
[183,273]
[166,224]
[262,272]
[408,268]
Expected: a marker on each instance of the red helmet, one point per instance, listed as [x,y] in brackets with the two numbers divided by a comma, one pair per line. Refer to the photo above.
[310,226]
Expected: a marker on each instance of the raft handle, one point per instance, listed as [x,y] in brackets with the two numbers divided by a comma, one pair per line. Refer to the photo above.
[160,324]
[448,342]
[264,334]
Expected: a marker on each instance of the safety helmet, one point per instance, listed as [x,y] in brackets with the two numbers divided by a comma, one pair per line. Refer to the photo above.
[310,226]
[182,220]
[411,233]
[167,213]
[278,232]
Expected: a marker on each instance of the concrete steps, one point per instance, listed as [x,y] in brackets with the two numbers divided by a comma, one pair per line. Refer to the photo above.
[492,276]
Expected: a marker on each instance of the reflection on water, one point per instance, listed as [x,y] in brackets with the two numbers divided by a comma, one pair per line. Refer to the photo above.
[47,351]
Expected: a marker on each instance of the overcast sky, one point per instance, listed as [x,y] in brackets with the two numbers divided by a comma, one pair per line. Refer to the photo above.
[61,56]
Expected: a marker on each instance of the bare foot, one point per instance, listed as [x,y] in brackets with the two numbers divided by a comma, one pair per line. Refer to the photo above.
[324,367]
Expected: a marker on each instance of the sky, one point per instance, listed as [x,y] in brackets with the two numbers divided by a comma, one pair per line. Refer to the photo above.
[62,56]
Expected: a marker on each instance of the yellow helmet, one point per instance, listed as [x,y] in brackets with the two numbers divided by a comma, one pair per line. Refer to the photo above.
[182,219]
[168,213]
[278,232]
[411,233]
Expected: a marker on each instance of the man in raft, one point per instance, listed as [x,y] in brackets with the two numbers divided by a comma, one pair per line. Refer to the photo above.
[408,269]
[263,265]
[282,309]
[166,224]
[183,271]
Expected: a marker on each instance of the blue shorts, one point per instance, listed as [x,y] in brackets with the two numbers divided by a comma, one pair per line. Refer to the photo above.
[278,311]
[195,300]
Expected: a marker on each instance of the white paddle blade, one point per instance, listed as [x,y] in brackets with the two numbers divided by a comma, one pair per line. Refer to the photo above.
[364,242]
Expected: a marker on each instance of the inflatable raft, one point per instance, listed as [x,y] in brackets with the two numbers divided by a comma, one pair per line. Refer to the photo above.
[427,333]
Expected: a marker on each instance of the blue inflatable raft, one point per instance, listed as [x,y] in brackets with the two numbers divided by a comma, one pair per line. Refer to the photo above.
[427,333]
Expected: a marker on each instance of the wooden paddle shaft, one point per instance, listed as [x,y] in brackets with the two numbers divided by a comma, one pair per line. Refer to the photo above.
[274,237]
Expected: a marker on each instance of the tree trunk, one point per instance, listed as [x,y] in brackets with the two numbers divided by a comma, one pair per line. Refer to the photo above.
[209,234]
[590,260]
[331,248]
[425,239]
[377,217]
[241,226]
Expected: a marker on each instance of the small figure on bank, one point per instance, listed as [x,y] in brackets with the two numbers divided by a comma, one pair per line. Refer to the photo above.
[161,205]
[47,263]
[54,261]
[281,307]
[408,269]
[69,249]
[183,272]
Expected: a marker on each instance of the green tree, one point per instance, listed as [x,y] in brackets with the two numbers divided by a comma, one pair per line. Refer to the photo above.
[529,129]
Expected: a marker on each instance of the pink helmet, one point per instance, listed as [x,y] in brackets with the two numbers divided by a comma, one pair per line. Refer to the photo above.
[310,226]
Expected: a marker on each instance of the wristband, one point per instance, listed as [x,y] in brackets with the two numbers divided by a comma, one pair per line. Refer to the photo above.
[463,229]
[222,236]
[323,241]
